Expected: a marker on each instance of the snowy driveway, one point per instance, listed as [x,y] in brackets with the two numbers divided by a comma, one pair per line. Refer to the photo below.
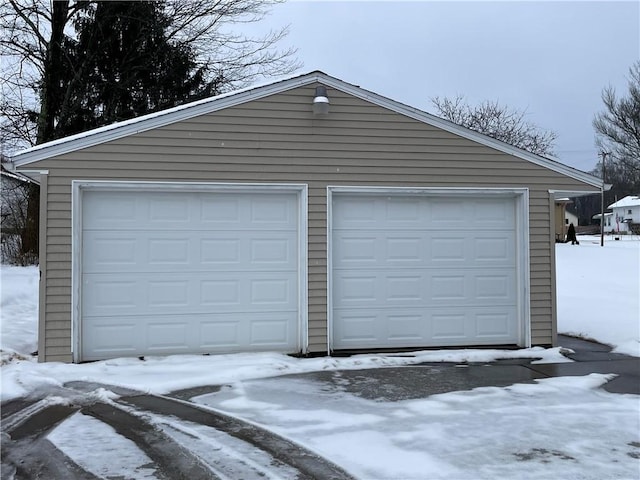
[89,432]
[563,427]
[367,424]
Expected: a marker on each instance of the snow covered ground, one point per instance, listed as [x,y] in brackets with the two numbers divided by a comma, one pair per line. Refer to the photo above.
[562,427]
[599,291]
[558,428]
[18,310]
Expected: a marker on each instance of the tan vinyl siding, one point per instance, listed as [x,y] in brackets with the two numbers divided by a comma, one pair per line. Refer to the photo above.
[277,139]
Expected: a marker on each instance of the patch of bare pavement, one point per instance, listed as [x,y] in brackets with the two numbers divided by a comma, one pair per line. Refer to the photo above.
[183,440]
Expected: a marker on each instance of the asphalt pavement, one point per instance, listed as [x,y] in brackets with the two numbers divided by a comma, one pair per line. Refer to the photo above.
[430,378]
[26,422]
[592,357]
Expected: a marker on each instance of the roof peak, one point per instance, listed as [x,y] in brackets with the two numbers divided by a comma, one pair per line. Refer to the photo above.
[255,92]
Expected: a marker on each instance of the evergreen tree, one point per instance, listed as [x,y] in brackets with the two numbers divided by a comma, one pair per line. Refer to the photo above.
[72,65]
[127,67]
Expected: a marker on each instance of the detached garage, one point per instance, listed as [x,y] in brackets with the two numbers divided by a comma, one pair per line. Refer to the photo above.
[249,222]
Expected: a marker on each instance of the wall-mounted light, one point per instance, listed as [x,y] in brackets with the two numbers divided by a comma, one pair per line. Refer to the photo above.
[321,101]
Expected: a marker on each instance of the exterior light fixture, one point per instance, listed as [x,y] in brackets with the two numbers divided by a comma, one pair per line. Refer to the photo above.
[321,101]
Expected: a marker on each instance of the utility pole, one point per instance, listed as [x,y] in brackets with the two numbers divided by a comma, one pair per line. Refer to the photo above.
[603,155]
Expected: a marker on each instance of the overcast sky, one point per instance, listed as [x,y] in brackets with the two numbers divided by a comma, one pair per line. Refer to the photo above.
[551,58]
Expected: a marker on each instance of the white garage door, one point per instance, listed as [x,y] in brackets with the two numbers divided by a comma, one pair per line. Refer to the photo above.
[411,271]
[188,272]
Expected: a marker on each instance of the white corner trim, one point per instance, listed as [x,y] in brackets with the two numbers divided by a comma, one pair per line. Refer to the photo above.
[303,268]
[76,271]
[523,266]
[329,244]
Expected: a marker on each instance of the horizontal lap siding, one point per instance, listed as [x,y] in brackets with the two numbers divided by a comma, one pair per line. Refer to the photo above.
[277,139]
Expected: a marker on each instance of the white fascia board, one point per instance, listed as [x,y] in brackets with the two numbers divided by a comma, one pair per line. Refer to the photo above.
[561,194]
[157,119]
[451,127]
[17,176]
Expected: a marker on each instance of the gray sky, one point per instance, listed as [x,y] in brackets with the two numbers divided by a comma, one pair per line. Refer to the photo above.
[551,58]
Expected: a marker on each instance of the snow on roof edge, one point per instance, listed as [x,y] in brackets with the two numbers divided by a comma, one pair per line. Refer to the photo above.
[149,116]
[628,201]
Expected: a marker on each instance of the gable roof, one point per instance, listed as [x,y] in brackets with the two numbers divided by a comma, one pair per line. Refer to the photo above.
[219,102]
[628,201]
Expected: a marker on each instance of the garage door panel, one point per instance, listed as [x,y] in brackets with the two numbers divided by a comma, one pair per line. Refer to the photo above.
[115,251]
[481,213]
[495,325]
[161,211]
[412,212]
[397,287]
[411,270]
[230,211]
[356,329]
[494,213]
[188,272]
[436,326]
[107,337]
[140,251]
[370,248]
[104,210]
[113,294]
[203,333]
[497,247]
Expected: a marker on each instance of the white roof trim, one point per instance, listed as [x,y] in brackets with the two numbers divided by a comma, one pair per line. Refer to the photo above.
[202,107]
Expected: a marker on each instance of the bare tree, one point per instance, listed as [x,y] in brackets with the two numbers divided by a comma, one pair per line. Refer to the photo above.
[33,32]
[240,59]
[16,246]
[618,128]
[497,121]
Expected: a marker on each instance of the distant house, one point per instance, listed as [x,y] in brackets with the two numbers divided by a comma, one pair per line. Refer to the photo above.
[570,217]
[563,217]
[625,214]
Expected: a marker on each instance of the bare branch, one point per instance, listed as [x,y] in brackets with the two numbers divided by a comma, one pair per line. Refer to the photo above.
[497,121]
[618,127]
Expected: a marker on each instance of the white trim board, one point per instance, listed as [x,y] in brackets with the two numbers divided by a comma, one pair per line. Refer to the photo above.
[521,196]
[80,186]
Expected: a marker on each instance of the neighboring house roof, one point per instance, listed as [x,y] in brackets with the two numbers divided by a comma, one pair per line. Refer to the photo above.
[209,105]
[571,211]
[628,201]
[15,176]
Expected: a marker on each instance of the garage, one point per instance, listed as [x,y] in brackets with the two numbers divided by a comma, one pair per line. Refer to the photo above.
[253,220]
[413,268]
[188,269]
